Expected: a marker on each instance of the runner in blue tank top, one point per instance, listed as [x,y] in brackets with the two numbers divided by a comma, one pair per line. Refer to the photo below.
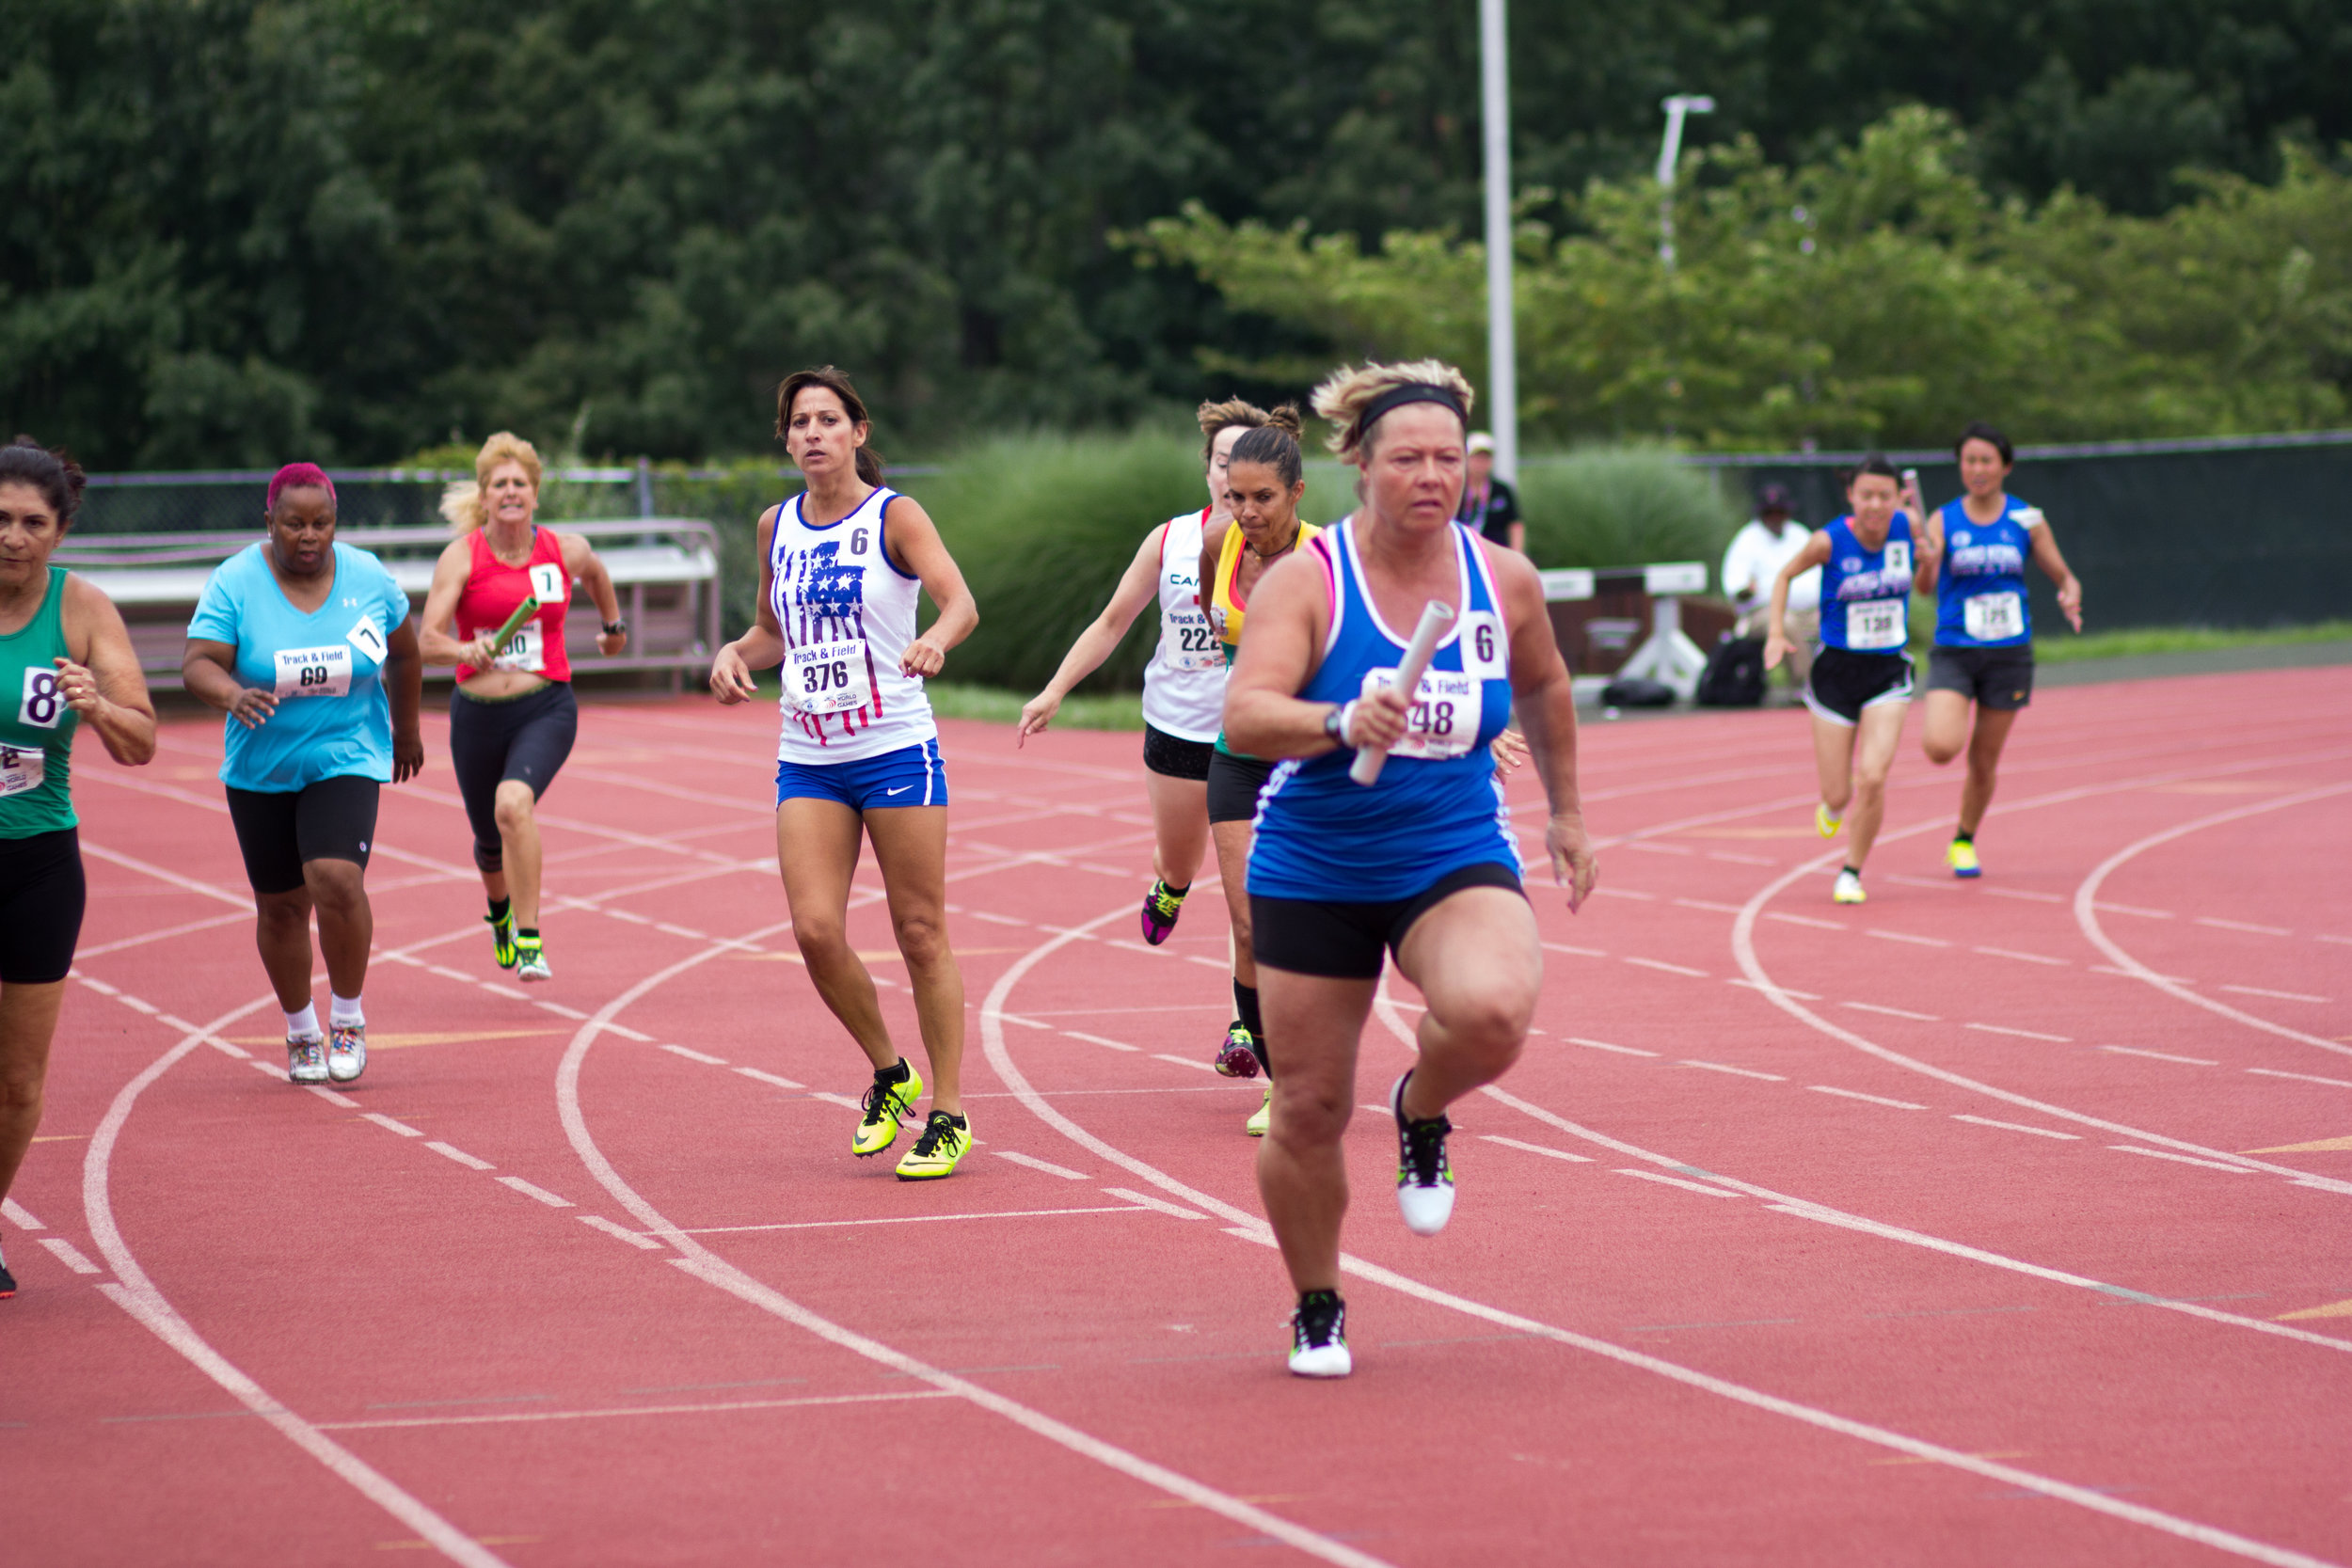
[1422,862]
[1984,652]
[1860,686]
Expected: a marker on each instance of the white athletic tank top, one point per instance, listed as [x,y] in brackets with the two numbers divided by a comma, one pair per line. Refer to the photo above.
[1184,686]
[848,614]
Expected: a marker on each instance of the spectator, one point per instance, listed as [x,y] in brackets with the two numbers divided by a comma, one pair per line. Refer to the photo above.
[1489,506]
[1756,557]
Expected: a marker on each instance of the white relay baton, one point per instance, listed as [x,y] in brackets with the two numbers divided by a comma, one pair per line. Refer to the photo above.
[1435,617]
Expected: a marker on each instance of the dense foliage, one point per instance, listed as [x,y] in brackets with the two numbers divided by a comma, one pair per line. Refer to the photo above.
[236,230]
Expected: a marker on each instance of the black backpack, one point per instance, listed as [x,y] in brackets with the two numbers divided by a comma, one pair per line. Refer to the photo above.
[1735,675]
[1634,692]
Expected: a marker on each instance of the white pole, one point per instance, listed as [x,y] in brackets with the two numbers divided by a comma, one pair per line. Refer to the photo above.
[1669,155]
[1503,365]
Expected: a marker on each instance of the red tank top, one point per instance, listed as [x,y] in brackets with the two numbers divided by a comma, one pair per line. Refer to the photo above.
[492,591]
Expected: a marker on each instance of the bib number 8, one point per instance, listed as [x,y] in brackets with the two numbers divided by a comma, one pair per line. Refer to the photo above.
[43,704]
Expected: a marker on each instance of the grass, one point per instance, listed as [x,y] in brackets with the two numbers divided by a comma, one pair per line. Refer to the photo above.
[2065,649]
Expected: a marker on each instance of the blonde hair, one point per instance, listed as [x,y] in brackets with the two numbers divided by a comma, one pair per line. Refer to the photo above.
[1346,392]
[1218,418]
[462,503]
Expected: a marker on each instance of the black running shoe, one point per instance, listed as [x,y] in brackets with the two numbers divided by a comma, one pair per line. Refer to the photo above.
[1319,1335]
[7,1282]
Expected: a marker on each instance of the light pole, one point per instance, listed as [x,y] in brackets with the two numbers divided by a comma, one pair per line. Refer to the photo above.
[1669,154]
[1502,376]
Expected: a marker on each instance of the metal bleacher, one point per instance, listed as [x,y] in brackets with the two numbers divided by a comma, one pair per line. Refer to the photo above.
[665,569]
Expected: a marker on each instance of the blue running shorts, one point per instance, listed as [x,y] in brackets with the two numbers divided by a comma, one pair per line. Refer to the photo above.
[910,776]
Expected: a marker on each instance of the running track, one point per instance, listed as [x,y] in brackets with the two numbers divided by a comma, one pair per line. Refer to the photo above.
[1986,1224]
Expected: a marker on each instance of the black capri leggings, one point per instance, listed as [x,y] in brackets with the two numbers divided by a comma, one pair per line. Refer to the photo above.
[42,900]
[525,738]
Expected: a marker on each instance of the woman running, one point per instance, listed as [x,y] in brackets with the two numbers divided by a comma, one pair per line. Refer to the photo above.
[513,719]
[841,568]
[1184,686]
[66,658]
[1422,863]
[1984,652]
[1860,686]
[1264,482]
[307,645]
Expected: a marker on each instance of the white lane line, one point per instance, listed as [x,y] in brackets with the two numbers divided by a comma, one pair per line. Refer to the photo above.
[1710,908]
[770,1078]
[1857,1094]
[17,1216]
[541,1193]
[344,1100]
[2025,957]
[997,919]
[2181,1159]
[630,1410]
[681,932]
[1181,1061]
[632,919]
[448,974]
[696,1056]
[1656,848]
[1220,965]
[899,1219]
[2243,926]
[1669,969]
[1740,1071]
[2323,936]
[1892,1012]
[173,1020]
[1097,1039]
[1034,1023]
[148,1007]
[2018,1127]
[2302,1077]
[1536,1149]
[389,1125]
[450,1152]
[1603,1045]
[131,1290]
[1678,1182]
[186,883]
[2242,991]
[1033,1163]
[193,926]
[2134,975]
[228,1050]
[1145,1200]
[561,1011]
[2021,1034]
[2087,909]
[619,1232]
[1808,919]
[272,1069]
[2020,892]
[1802,996]
[1738,859]
[2158,1055]
[498,987]
[1646,897]
[2127,909]
[1905,936]
[70,1255]
[628,1033]
[1574,952]
[99,985]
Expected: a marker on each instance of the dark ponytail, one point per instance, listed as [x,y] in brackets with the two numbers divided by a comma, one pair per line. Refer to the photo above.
[869,466]
[56,476]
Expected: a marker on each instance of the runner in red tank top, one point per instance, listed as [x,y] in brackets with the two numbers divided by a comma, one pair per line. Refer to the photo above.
[513,719]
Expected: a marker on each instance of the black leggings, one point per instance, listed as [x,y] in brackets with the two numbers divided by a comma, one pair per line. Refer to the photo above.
[42,900]
[525,738]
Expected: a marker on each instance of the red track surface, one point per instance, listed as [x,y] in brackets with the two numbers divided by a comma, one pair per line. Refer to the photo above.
[1950,1229]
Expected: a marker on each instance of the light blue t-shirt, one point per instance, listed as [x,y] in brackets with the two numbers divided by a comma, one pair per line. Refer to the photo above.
[333,720]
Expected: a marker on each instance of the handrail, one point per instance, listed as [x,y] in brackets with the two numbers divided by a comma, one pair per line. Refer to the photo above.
[165,549]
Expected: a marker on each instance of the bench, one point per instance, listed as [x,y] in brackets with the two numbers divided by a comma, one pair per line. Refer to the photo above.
[665,570]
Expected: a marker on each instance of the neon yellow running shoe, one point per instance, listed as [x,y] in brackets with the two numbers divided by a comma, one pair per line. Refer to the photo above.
[1962,857]
[503,937]
[1256,1126]
[883,1104]
[945,1140]
[1823,822]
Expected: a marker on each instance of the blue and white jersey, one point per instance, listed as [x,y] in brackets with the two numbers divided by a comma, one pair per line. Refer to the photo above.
[848,614]
[1438,805]
[1981,597]
[1866,594]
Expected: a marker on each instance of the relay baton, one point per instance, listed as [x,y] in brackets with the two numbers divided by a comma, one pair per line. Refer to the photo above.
[523,611]
[1435,617]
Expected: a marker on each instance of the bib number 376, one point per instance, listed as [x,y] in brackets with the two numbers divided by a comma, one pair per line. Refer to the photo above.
[828,678]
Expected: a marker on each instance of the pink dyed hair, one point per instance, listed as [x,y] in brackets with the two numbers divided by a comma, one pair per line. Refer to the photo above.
[299,476]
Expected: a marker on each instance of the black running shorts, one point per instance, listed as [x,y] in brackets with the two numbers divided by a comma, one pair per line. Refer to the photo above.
[1996,678]
[1844,682]
[42,900]
[1234,785]
[280,830]
[1172,756]
[524,738]
[1344,941]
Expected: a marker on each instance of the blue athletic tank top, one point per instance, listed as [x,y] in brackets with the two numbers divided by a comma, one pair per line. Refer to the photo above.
[1980,597]
[1866,594]
[1438,805]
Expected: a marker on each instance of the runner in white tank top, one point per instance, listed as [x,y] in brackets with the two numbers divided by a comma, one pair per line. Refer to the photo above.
[841,566]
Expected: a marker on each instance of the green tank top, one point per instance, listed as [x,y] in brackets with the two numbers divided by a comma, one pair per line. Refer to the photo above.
[36,725]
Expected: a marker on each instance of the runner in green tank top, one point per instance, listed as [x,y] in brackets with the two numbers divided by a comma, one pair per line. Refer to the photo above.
[65,658]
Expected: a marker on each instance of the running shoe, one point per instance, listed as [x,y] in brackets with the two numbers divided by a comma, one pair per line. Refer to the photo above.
[945,1140]
[1849,888]
[1319,1335]
[306,1059]
[885,1103]
[530,960]
[1262,1117]
[1424,1182]
[1238,1056]
[1823,823]
[503,937]
[1161,906]
[7,1282]
[346,1051]
[1962,857]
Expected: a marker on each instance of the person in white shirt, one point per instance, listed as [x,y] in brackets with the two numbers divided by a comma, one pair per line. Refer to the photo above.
[1757,554]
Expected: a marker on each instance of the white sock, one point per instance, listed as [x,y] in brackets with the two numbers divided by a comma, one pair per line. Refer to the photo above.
[344,1012]
[305,1023]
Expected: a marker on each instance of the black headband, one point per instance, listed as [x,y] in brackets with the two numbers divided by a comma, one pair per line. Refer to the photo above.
[1397,397]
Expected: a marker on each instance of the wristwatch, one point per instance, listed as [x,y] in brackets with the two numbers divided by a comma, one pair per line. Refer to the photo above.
[1334,724]
[614,628]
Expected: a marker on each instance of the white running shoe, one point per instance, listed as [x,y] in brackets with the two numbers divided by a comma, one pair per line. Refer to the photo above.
[1849,888]
[1319,1337]
[530,960]
[1424,1181]
[306,1059]
[346,1051]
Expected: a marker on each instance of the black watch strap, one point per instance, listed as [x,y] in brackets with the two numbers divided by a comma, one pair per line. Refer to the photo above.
[614,628]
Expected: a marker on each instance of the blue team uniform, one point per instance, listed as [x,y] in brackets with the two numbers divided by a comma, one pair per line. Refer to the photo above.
[1980,597]
[1866,594]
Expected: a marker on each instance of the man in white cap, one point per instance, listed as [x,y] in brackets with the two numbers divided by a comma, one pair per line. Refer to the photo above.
[1488,506]
[1757,554]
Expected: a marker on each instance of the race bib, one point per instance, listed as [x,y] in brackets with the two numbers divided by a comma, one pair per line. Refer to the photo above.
[22,769]
[367,638]
[1898,557]
[1874,625]
[43,704]
[1191,644]
[527,650]
[548,583]
[826,677]
[1443,720]
[1486,646]
[1994,617]
[313,671]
